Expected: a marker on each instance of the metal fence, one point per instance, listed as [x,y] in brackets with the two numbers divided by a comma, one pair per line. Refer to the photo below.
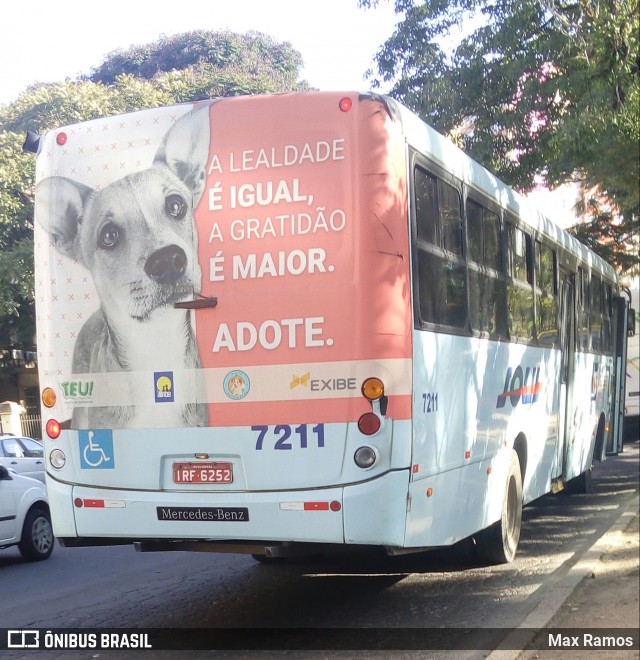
[31,426]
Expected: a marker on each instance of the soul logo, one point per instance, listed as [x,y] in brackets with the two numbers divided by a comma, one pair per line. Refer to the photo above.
[519,385]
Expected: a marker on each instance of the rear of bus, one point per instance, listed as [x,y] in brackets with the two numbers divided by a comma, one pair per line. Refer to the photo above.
[301,366]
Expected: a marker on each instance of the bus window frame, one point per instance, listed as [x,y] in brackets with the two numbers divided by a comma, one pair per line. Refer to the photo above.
[541,292]
[418,161]
[476,197]
[511,220]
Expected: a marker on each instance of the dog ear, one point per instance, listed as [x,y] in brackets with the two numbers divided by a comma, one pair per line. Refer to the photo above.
[58,208]
[185,150]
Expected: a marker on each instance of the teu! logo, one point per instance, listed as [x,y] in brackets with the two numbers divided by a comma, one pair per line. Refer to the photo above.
[519,385]
[77,388]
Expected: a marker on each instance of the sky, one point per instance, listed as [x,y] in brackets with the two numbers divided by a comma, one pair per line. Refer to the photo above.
[51,40]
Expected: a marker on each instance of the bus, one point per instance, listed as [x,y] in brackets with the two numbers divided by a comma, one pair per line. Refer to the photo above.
[307,323]
[632,389]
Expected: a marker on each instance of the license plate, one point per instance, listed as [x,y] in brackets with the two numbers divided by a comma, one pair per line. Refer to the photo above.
[203,473]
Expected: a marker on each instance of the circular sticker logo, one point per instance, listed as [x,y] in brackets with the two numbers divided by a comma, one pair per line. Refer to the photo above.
[236,385]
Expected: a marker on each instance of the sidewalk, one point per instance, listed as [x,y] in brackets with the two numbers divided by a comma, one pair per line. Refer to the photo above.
[601,591]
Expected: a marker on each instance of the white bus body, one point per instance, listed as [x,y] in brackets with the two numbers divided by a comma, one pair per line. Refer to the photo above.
[632,393]
[216,283]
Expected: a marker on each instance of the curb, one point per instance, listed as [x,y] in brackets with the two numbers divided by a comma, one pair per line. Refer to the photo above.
[562,588]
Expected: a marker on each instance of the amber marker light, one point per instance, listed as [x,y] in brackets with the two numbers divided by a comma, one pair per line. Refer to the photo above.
[48,397]
[373,389]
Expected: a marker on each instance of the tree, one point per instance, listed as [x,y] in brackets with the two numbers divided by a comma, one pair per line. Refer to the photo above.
[204,64]
[537,88]
[182,68]
[16,242]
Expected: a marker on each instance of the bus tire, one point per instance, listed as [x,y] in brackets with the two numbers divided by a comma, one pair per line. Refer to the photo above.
[498,544]
[581,485]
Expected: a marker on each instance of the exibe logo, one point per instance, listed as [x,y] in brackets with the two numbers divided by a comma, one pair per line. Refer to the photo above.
[520,384]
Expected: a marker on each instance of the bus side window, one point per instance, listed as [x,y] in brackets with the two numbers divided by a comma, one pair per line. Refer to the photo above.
[596,314]
[607,313]
[520,285]
[546,296]
[426,207]
[450,218]
[486,280]
[442,291]
[584,333]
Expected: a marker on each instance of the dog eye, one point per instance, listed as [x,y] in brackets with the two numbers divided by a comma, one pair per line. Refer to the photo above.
[176,207]
[109,236]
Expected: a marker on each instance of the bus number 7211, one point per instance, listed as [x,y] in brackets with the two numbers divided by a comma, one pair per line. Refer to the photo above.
[286,437]
[430,402]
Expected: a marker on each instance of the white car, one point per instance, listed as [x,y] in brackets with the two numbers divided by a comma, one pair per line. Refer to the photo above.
[24,455]
[24,515]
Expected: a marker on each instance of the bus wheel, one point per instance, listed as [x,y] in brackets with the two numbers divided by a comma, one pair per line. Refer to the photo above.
[498,544]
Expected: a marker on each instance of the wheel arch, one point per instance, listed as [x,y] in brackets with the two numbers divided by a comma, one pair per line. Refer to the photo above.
[520,447]
[600,440]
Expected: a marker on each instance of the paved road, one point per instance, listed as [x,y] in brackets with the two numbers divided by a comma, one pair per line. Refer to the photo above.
[117,587]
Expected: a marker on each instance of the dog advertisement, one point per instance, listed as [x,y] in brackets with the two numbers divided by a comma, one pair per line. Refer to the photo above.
[235,262]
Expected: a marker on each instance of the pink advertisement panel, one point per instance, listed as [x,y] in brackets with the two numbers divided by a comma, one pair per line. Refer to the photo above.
[242,261]
[302,238]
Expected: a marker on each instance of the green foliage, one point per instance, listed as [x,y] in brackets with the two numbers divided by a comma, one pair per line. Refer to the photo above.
[186,67]
[203,64]
[533,88]
[16,241]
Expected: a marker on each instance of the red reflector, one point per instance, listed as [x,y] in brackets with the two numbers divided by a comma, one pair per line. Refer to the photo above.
[316,506]
[61,138]
[467,454]
[335,505]
[345,104]
[53,429]
[94,504]
[369,423]
[78,502]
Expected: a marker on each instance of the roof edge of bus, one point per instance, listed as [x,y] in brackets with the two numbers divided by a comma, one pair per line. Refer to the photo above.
[453,159]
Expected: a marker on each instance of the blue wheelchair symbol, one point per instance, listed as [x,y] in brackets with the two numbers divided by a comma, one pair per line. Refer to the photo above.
[96,450]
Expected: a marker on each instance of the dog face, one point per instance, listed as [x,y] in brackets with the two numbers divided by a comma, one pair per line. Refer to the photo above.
[137,236]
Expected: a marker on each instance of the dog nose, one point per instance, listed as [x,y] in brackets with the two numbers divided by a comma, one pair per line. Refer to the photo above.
[166,265]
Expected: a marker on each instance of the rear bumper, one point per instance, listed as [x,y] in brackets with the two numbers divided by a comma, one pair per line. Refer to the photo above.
[372,513]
